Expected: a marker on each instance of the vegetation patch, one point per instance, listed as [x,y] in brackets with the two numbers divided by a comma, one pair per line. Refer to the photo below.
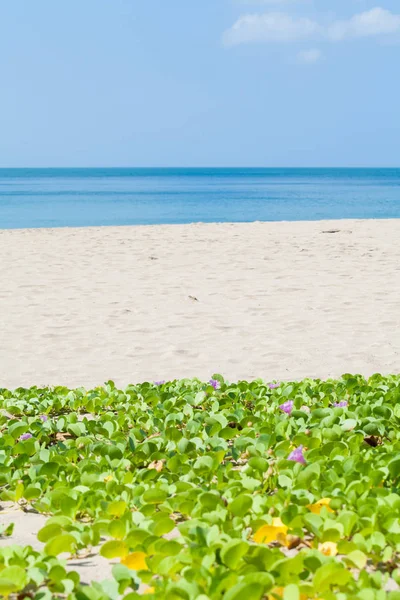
[206,491]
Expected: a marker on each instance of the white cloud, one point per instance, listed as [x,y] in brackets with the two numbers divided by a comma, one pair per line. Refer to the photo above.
[270,27]
[282,27]
[309,57]
[377,21]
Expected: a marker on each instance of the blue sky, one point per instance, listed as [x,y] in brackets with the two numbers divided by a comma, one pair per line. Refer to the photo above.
[199,83]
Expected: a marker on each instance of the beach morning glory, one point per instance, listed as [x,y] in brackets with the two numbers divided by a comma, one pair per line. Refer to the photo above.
[341,404]
[159,382]
[319,505]
[271,533]
[44,418]
[25,436]
[297,455]
[328,548]
[287,407]
[214,383]
[273,386]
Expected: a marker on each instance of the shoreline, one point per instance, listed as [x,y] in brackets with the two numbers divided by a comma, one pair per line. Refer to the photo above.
[272,300]
[199,223]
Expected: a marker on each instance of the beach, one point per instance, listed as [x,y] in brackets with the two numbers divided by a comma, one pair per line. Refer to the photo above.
[199,301]
[80,306]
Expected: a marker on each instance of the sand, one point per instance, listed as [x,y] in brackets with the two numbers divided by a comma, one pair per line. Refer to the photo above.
[270,300]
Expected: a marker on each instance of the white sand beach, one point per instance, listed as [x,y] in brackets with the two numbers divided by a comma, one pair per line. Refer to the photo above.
[270,300]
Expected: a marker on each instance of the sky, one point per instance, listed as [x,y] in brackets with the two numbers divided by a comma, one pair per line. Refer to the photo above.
[261,83]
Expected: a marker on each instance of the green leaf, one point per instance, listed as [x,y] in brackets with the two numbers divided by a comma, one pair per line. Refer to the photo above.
[349,520]
[330,576]
[78,429]
[314,523]
[162,525]
[61,543]
[240,591]
[121,573]
[7,531]
[57,573]
[48,532]
[307,475]
[117,508]
[17,429]
[241,505]
[114,549]
[284,481]
[204,463]
[117,529]
[349,424]
[31,492]
[233,552]
[19,491]
[13,576]
[258,463]
[357,558]
[210,500]
[264,579]
[291,592]
[394,467]
[7,586]
[49,468]
[154,496]
[333,531]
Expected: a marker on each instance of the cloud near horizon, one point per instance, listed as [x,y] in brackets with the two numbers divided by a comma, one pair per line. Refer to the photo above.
[282,27]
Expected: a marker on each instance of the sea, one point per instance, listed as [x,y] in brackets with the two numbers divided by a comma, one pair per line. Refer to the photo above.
[31,198]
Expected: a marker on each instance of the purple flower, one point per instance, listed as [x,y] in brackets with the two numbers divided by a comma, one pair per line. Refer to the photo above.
[297,455]
[25,436]
[44,418]
[341,404]
[287,407]
[159,382]
[273,386]
[215,383]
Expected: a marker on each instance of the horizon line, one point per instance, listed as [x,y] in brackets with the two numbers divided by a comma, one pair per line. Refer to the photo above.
[194,167]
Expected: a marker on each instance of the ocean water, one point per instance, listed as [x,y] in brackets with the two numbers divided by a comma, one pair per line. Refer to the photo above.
[82,197]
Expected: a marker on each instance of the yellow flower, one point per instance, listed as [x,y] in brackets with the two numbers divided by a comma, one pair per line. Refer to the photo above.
[271,533]
[108,478]
[317,507]
[136,561]
[328,548]
[149,590]
[279,592]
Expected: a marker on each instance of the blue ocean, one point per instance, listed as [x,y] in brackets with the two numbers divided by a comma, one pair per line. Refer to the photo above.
[83,197]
